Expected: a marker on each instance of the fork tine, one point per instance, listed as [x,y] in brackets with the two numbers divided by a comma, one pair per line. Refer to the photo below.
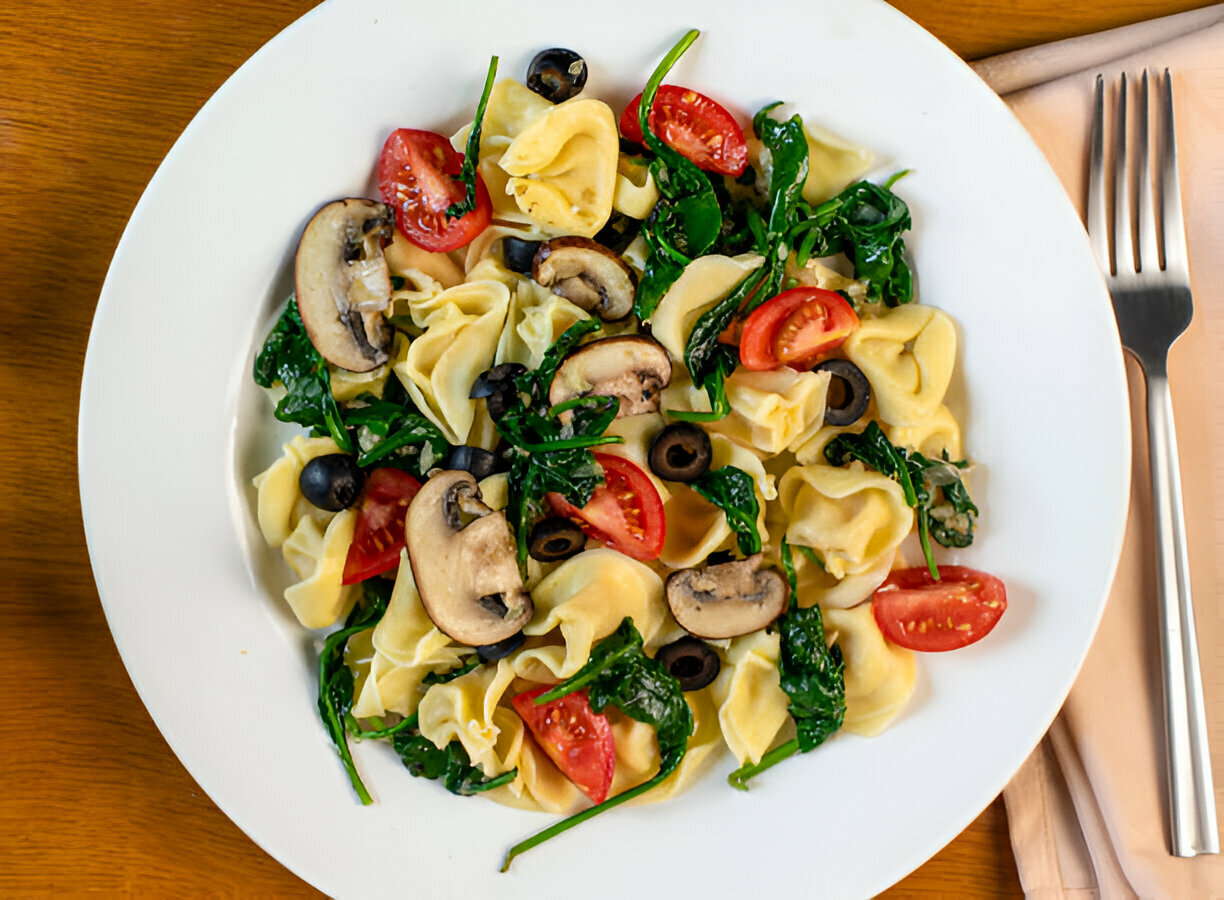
[1174,226]
[1124,247]
[1098,228]
[1149,256]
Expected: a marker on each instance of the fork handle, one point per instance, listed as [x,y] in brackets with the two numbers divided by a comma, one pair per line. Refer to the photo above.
[1191,796]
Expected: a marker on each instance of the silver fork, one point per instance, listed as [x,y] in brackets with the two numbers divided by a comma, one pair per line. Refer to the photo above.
[1152,303]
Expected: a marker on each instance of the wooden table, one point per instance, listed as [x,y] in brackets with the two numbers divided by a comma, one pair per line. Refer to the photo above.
[92,96]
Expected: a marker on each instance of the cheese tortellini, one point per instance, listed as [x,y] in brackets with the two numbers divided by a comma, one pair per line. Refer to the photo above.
[907,355]
[851,517]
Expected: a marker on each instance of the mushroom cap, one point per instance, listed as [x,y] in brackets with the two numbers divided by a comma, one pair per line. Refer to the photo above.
[463,559]
[343,284]
[587,274]
[727,599]
[632,368]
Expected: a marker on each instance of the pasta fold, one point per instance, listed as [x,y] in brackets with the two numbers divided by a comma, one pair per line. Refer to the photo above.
[880,676]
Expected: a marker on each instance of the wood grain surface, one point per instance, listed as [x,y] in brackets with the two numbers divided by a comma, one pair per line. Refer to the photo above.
[92,96]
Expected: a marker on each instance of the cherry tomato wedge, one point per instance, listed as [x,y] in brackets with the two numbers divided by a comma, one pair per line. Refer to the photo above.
[917,612]
[378,536]
[794,328]
[693,125]
[575,737]
[414,178]
[626,513]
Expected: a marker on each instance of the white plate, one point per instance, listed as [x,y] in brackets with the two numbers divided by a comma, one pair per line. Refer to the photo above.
[171,430]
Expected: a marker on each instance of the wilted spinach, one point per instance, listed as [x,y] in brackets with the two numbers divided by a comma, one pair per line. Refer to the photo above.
[620,674]
[812,675]
[451,765]
[390,431]
[733,491]
[546,453]
[932,487]
[471,152]
[687,220]
[288,357]
[336,679]
[865,222]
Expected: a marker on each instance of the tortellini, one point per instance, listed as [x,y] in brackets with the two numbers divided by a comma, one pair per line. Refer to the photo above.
[833,162]
[907,355]
[703,283]
[439,367]
[771,411]
[317,557]
[937,434]
[563,167]
[851,517]
[587,597]
[880,676]
[752,707]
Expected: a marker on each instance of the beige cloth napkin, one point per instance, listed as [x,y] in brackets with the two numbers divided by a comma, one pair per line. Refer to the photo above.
[1087,811]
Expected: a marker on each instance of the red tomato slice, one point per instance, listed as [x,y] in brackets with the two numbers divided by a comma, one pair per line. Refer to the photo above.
[575,737]
[693,125]
[918,612]
[378,537]
[414,178]
[794,328]
[626,513]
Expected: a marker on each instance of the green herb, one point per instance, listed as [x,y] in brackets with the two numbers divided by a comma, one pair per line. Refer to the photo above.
[787,145]
[710,361]
[733,491]
[468,665]
[548,454]
[290,358]
[687,220]
[451,764]
[336,684]
[866,222]
[471,152]
[811,673]
[391,431]
[923,481]
[620,674]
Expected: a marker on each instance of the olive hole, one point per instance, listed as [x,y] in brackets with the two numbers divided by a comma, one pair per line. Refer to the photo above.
[839,392]
[686,667]
[680,456]
[557,545]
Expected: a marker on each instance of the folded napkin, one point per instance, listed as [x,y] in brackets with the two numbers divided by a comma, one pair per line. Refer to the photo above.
[1088,811]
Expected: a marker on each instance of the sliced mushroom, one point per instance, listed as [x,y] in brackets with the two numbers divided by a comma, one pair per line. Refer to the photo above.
[587,274]
[343,284]
[463,559]
[728,599]
[632,368]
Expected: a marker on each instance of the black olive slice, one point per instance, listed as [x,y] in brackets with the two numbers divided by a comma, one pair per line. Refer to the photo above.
[502,649]
[619,233]
[556,538]
[480,462]
[680,452]
[496,386]
[557,74]
[331,482]
[692,662]
[518,253]
[849,392]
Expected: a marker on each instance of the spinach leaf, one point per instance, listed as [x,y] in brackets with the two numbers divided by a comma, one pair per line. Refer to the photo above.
[391,431]
[451,765]
[710,361]
[288,357]
[733,491]
[471,152]
[548,454]
[811,674]
[620,674]
[336,679]
[468,665]
[866,222]
[687,220]
[787,146]
[932,487]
